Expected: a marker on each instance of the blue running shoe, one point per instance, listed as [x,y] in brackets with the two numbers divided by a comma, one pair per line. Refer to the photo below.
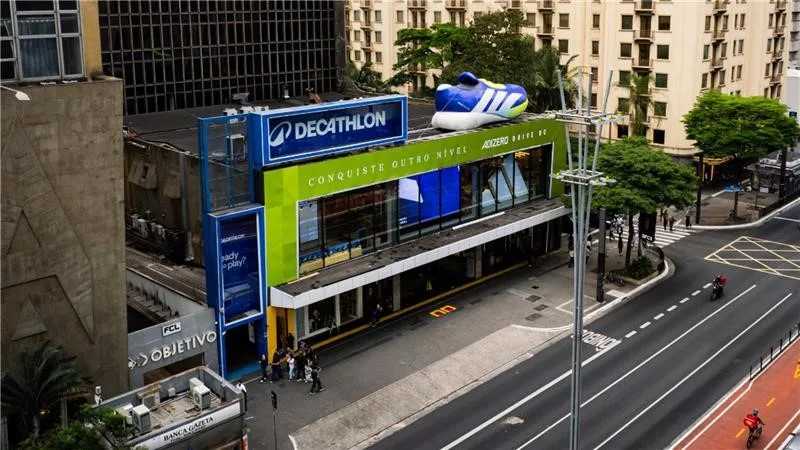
[476,102]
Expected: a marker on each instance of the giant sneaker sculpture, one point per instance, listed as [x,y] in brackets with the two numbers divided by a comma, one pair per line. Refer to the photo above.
[474,102]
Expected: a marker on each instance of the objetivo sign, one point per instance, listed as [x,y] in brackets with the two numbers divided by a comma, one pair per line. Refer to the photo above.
[292,134]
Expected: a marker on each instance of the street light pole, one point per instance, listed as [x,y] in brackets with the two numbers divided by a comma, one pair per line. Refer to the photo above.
[21,96]
[582,179]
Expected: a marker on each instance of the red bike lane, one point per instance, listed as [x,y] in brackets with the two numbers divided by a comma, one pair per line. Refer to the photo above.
[775,393]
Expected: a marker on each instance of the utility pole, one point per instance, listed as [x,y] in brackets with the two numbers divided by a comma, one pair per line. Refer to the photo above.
[582,176]
[274,397]
[701,174]
[782,179]
[601,257]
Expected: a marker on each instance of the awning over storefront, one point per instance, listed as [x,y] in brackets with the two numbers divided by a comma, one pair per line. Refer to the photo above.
[404,257]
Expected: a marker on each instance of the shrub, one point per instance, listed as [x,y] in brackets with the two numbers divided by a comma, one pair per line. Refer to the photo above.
[640,268]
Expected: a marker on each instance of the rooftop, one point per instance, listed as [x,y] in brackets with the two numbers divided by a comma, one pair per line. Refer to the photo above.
[188,281]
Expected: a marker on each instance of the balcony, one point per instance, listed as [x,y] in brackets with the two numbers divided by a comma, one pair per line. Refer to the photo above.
[417,4]
[546,4]
[366,45]
[780,5]
[777,53]
[418,69]
[775,78]
[516,4]
[642,63]
[779,30]
[544,30]
[717,63]
[720,6]
[456,4]
[644,6]
[718,35]
[643,35]
[366,4]
[347,4]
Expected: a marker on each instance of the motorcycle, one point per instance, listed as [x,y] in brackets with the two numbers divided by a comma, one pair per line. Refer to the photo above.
[753,436]
[716,291]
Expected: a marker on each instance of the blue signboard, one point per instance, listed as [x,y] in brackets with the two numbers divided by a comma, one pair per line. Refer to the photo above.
[239,265]
[292,134]
[429,196]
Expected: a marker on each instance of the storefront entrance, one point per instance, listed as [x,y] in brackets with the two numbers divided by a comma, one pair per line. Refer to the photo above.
[241,350]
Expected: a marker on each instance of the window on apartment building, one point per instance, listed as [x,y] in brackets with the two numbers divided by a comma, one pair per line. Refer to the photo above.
[624,105]
[664,23]
[733,75]
[662,80]
[378,16]
[530,19]
[722,76]
[708,23]
[627,22]
[766,70]
[625,50]
[704,81]
[662,51]
[437,17]
[622,131]
[452,17]
[739,93]
[706,51]
[736,21]
[769,45]
[778,91]
[399,17]
[478,14]
[624,78]
[741,21]
[660,109]
[378,37]
[594,99]
[723,50]
[733,53]
[725,22]
[596,21]
[658,137]
[356,36]
[595,48]
[741,46]
[766,92]
[356,15]
[357,55]
[462,18]
[770,20]
[563,20]
[563,45]
[367,56]
[547,42]
[378,57]
[739,72]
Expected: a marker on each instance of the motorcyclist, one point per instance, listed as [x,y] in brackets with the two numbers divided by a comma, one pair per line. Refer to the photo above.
[754,423]
[719,282]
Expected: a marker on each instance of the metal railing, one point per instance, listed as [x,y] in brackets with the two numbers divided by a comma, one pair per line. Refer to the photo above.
[546,4]
[642,62]
[720,6]
[774,351]
[643,34]
[644,5]
[544,29]
[718,34]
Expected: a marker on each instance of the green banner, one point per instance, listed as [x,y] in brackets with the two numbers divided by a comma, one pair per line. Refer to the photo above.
[284,187]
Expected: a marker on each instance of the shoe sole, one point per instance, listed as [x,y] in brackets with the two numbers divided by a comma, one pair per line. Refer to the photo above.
[461,121]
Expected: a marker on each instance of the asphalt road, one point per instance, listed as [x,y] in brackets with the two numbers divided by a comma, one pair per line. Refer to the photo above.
[643,389]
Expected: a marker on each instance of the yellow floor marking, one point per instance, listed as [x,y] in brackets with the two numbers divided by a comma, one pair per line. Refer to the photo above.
[797,371]
[770,402]
[740,433]
[448,308]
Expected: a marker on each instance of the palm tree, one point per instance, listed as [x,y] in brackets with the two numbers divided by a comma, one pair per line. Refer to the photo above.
[366,78]
[640,100]
[544,94]
[48,376]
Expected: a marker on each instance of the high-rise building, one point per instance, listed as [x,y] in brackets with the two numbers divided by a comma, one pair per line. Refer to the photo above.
[686,47]
[63,248]
[187,54]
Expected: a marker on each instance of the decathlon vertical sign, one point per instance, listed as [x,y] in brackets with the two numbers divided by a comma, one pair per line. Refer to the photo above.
[240,265]
[293,134]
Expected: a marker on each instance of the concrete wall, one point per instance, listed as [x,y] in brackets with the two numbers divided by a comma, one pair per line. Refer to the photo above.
[63,249]
[176,301]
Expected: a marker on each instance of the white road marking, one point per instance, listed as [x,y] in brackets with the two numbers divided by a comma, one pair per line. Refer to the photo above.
[639,366]
[695,292]
[672,308]
[705,286]
[521,402]
[697,369]
[718,193]
[629,335]
[644,325]
[790,220]
[658,316]
[685,299]
[781,432]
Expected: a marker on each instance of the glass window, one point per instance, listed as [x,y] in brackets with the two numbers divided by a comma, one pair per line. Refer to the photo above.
[563,20]
[400,17]
[348,307]
[624,105]
[662,51]
[357,54]
[704,81]
[741,21]
[530,19]
[660,109]
[624,77]
[321,315]
[663,23]
[627,22]
[563,45]
[356,15]
[595,48]
[658,137]
[723,50]
[470,190]
[378,16]
[357,35]
[662,80]
[625,50]
[489,185]
[706,51]
[378,57]
[378,37]
[741,46]
[708,23]
[437,17]
[622,131]
[309,236]
[595,21]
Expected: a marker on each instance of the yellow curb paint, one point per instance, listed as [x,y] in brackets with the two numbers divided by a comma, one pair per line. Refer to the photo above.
[739,434]
[770,402]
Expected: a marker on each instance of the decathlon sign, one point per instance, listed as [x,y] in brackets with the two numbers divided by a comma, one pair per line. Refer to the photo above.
[292,134]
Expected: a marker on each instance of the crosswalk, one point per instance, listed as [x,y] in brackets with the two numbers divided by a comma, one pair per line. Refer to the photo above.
[665,238]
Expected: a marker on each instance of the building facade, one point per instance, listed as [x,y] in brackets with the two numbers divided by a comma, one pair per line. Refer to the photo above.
[187,54]
[63,276]
[686,47]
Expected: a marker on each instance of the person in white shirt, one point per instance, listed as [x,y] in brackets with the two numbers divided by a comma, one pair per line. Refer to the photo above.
[243,388]
[292,366]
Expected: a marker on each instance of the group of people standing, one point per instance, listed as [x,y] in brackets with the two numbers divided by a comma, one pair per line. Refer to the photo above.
[302,364]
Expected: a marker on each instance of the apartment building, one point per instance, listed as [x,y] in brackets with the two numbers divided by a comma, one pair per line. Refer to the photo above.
[737,46]
[794,35]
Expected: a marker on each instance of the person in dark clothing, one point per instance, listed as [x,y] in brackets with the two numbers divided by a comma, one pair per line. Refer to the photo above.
[671,223]
[264,364]
[277,372]
[664,220]
[619,244]
[290,341]
[316,384]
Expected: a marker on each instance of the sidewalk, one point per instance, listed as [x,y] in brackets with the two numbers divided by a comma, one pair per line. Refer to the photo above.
[775,393]
[385,376]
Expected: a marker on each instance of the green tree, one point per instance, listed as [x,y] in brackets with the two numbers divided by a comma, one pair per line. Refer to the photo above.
[47,377]
[427,48]
[85,433]
[366,77]
[645,178]
[543,90]
[640,99]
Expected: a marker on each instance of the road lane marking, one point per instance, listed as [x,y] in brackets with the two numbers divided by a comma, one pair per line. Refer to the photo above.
[695,292]
[658,316]
[672,308]
[770,402]
[526,399]
[783,430]
[797,371]
[786,218]
[685,299]
[693,372]
[629,335]
[705,286]
[739,434]
[644,325]
[640,365]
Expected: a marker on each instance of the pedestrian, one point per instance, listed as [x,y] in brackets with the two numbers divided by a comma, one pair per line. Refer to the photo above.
[292,366]
[241,387]
[277,372]
[316,384]
[290,340]
[619,244]
[665,221]
[308,371]
[588,249]
[571,258]
[688,219]
[671,223]
[264,363]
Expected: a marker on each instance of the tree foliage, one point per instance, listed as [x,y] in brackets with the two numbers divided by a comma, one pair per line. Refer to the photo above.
[646,178]
[640,98]
[47,376]
[427,48]
[85,433]
[739,127]
[366,78]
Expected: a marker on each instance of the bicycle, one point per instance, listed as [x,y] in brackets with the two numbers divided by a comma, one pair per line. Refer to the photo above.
[753,436]
[612,277]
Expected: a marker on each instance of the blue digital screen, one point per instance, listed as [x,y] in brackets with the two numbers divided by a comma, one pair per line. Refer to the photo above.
[239,264]
[296,133]
[428,196]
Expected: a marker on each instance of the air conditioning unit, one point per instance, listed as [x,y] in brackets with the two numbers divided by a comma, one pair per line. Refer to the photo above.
[125,411]
[132,220]
[141,227]
[157,229]
[150,397]
[201,397]
[194,382]
[140,416]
